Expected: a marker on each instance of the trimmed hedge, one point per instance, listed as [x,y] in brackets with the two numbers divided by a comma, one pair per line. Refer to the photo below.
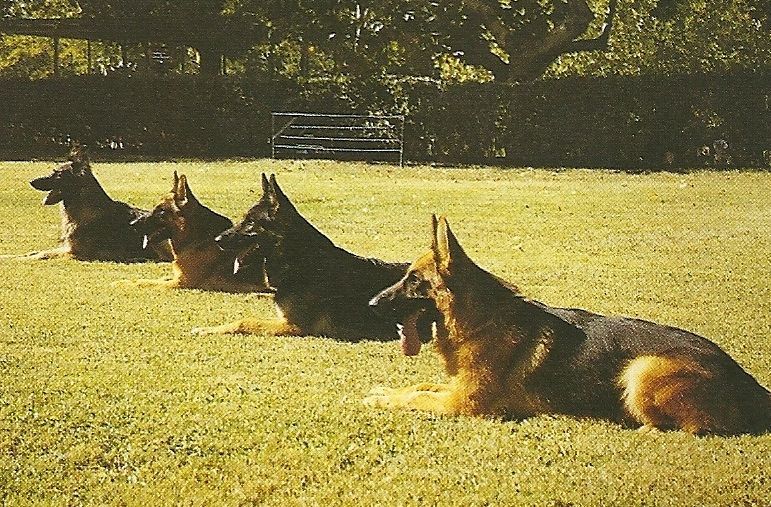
[620,122]
[625,122]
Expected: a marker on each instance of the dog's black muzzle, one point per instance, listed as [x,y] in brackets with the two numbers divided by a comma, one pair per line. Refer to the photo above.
[51,185]
[390,305]
[152,231]
[44,184]
[235,241]
[244,247]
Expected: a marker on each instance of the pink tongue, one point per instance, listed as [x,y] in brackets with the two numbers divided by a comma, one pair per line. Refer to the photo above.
[409,337]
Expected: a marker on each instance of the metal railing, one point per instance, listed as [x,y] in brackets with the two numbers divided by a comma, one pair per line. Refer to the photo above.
[349,136]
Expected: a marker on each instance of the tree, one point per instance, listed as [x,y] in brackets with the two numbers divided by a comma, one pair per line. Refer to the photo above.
[656,37]
[518,40]
[508,40]
[142,22]
[512,39]
[187,9]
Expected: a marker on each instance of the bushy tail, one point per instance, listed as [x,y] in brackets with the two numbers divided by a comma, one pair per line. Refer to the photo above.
[760,414]
[767,425]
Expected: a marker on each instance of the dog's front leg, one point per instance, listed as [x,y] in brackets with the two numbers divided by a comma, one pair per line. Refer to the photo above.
[437,398]
[274,327]
[161,283]
[56,253]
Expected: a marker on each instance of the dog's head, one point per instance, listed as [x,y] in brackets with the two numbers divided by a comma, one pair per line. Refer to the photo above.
[171,215]
[66,180]
[261,231]
[417,297]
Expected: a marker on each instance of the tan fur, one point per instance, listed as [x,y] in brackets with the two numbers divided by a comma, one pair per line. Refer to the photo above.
[64,251]
[199,270]
[275,327]
[490,376]
[435,398]
[198,262]
[511,357]
[670,392]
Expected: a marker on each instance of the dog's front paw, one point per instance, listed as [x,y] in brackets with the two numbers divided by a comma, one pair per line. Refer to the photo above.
[381,390]
[378,401]
[140,283]
[128,284]
[202,331]
[380,397]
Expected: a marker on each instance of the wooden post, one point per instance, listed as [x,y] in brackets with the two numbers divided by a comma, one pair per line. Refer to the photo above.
[210,62]
[272,61]
[401,142]
[304,58]
[56,55]
[89,57]
[148,57]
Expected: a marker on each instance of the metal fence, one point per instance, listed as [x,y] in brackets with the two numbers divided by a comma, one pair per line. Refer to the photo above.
[338,136]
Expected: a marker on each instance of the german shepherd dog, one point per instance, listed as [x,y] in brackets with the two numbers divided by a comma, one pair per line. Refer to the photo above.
[513,357]
[95,227]
[321,289]
[198,262]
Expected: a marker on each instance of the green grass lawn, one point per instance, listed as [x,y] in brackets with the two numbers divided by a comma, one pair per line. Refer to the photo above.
[106,398]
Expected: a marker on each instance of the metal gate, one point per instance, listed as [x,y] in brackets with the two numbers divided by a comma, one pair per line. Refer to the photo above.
[338,136]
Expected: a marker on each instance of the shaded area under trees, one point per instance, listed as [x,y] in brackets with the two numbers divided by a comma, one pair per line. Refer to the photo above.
[644,122]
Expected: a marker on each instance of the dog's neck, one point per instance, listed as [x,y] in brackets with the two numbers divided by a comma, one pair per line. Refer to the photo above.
[80,213]
[478,310]
[83,205]
[299,241]
[199,228]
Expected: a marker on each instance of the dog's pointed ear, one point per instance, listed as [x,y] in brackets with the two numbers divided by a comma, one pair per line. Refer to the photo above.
[280,195]
[189,193]
[280,199]
[78,153]
[79,157]
[266,189]
[269,191]
[176,183]
[434,242]
[183,194]
[439,243]
[447,249]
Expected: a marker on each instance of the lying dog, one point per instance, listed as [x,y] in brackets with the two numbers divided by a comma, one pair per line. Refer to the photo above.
[94,226]
[198,262]
[512,357]
[321,289]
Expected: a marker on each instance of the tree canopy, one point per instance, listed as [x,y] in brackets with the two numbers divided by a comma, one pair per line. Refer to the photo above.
[505,40]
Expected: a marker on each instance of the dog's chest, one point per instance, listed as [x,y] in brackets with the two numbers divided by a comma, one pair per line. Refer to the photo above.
[502,376]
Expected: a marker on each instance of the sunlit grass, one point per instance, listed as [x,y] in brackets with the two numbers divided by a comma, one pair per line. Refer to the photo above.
[105,397]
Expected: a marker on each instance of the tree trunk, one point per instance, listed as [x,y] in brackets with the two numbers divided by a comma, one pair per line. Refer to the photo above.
[529,56]
[211,62]
[56,56]
[89,57]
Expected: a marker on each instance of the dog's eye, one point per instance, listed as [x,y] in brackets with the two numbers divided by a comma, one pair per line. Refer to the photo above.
[422,287]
